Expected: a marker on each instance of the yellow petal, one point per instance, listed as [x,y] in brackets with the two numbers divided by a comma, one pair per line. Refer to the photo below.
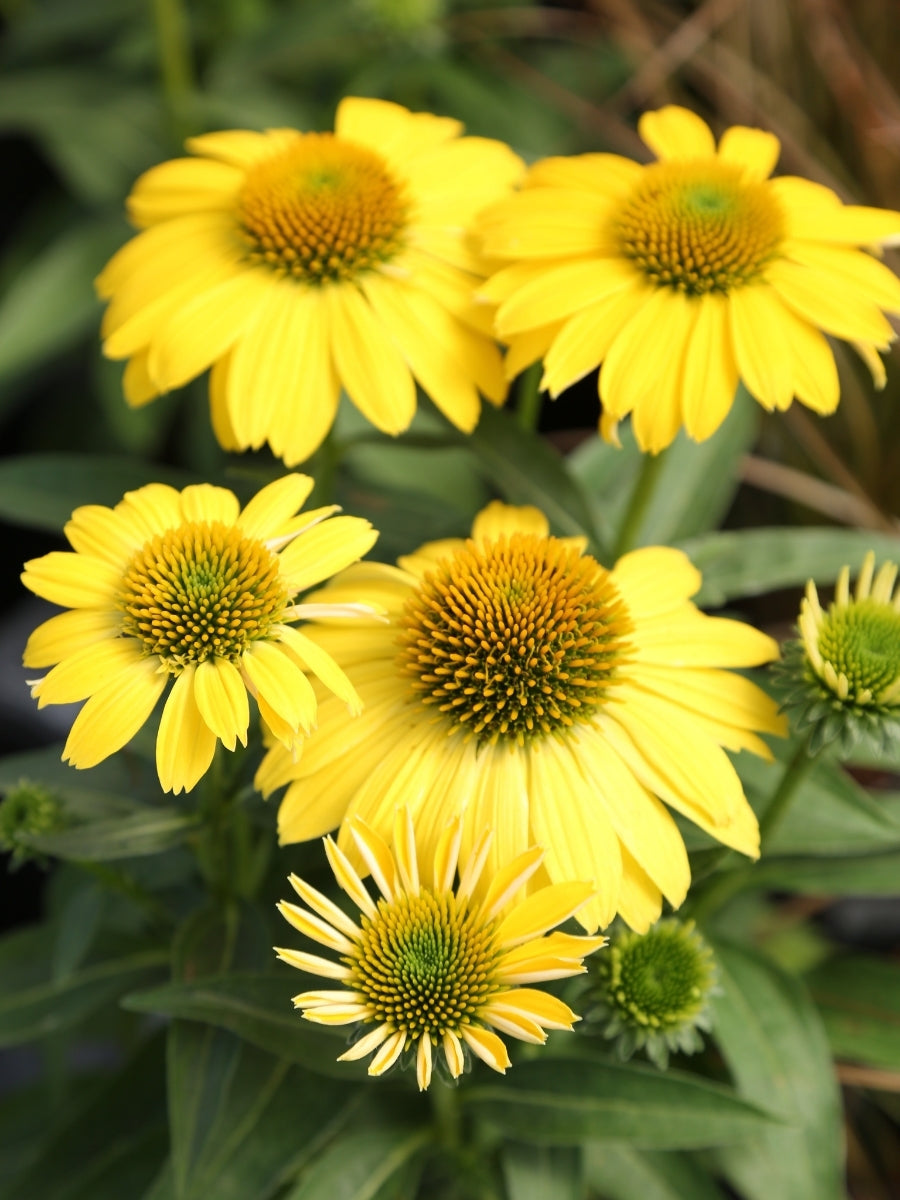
[814,296]
[112,716]
[584,340]
[280,683]
[102,533]
[87,671]
[710,369]
[753,150]
[655,579]
[322,665]
[641,823]
[273,506]
[73,580]
[640,902]
[609,174]
[325,549]
[391,129]
[203,329]
[541,911]
[486,1046]
[204,502]
[676,133]
[761,348]
[242,147]
[222,700]
[502,520]
[561,291]
[185,744]
[183,185]
[690,638]
[368,362]
[67,634]
[575,831]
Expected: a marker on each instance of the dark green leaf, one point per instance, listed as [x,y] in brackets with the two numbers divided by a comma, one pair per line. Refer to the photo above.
[77,926]
[258,1009]
[859,1000]
[623,1173]
[48,1006]
[773,1042]
[200,1058]
[567,1101]
[113,1144]
[526,470]
[271,1119]
[750,562]
[365,1161]
[130,836]
[42,490]
[542,1172]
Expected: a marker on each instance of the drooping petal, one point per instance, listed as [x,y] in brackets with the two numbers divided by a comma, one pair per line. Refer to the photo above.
[185,744]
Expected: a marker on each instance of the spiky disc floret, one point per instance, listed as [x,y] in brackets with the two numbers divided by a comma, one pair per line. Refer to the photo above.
[429,966]
[841,680]
[651,991]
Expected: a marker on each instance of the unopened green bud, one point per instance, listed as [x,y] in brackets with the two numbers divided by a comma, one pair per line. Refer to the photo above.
[27,811]
[650,991]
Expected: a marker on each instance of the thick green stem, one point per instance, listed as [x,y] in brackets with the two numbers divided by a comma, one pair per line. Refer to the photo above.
[528,398]
[176,66]
[641,499]
[445,1108]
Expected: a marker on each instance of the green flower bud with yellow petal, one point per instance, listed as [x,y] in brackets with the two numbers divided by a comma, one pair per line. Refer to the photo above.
[842,678]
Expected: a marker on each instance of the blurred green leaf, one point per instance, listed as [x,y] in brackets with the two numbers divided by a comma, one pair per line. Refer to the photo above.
[526,470]
[51,302]
[76,927]
[50,1005]
[131,835]
[258,1009]
[404,519]
[99,132]
[200,1058]
[565,1101]
[856,875]
[623,1173]
[446,475]
[750,562]
[367,1160]
[694,488]
[829,813]
[539,1172]
[775,1047]
[111,1145]
[41,491]
[859,1000]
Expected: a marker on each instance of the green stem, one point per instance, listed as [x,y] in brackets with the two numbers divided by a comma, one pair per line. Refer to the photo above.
[176,66]
[445,1108]
[727,883]
[641,498]
[794,774]
[528,397]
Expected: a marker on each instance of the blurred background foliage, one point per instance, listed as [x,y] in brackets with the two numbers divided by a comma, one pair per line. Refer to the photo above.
[93,92]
